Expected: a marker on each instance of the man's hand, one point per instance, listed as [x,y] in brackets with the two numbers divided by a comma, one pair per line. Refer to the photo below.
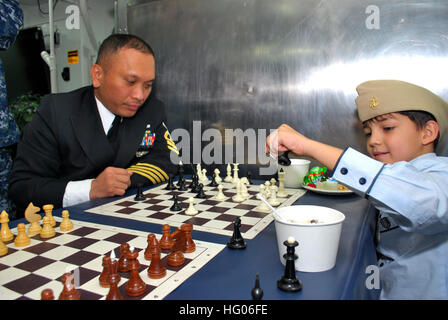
[111,182]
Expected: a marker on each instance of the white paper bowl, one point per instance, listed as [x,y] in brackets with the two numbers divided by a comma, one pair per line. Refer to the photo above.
[318,242]
[295,172]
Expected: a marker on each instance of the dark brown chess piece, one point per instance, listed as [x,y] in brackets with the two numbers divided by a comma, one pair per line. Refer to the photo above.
[105,274]
[189,245]
[69,291]
[47,294]
[165,241]
[113,279]
[135,286]
[176,257]
[156,269]
[148,247]
[123,262]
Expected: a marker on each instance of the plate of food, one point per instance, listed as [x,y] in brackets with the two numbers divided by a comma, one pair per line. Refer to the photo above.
[343,190]
[317,181]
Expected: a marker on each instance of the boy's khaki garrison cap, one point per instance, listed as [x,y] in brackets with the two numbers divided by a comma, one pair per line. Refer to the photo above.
[378,97]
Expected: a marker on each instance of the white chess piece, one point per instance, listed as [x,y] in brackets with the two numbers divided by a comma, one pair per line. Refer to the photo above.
[262,206]
[217,177]
[191,210]
[235,173]
[228,178]
[267,189]
[273,201]
[273,182]
[238,197]
[244,184]
[199,172]
[204,176]
[281,185]
[220,196]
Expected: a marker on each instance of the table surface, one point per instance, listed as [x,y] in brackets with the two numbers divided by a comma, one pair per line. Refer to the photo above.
[231,274]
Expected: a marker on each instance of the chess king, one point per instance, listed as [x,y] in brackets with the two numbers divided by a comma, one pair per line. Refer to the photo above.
[99,140]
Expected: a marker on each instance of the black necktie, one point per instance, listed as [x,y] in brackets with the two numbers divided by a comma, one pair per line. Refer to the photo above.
[113,131]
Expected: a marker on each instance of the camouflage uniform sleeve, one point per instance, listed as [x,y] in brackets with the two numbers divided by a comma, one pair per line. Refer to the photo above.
[11,20]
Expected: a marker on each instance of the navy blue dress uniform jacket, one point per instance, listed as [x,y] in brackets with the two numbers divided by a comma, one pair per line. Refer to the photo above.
[65,141]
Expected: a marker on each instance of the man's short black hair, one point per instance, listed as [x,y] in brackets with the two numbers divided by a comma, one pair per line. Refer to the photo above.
[118,41]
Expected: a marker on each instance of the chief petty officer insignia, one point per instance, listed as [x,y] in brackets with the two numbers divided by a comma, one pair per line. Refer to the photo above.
[146,143]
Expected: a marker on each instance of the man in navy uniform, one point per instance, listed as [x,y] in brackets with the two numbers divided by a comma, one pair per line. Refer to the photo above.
[99,140]
[11,20]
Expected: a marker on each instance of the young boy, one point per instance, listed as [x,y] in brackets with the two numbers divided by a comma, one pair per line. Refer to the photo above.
[404,179]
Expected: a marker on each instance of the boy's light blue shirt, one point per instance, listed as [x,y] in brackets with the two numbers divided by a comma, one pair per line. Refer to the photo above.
[412,199]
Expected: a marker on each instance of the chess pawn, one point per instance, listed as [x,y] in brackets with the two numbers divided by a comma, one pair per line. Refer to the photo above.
[34,228]
[47,294]
[257,292]
[199,172]
[156,269]
[3,248]
[189,246]
[267,189]
[165,241]
[262,206]
[22,238]
[47,230]
[66,224]
[237,240]
[217,177]
[48,208]
[220,196]
[204,176]
[228,178]
[6,234]
[113,279]
[69,291]
[273,182]
[191,210]
[123,262]
[273,201]
[135,286]
[103,279]
[149,241]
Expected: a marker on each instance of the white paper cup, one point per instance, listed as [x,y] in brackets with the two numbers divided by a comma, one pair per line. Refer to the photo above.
[318,242]
[295,172]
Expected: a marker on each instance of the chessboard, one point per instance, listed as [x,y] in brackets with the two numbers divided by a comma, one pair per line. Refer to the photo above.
[213,216]
[26,271]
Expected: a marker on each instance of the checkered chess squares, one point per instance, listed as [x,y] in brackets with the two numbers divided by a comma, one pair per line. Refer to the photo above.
[26,271]
[213,217]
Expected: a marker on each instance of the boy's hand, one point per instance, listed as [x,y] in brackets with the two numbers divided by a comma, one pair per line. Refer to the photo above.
[286,138]
[111,182]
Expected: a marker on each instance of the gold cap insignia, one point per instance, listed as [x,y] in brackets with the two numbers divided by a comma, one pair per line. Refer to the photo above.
[373,103]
